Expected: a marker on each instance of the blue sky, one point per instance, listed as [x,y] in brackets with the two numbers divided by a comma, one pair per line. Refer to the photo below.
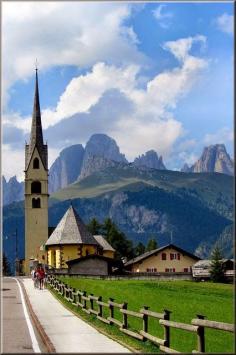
[151,75]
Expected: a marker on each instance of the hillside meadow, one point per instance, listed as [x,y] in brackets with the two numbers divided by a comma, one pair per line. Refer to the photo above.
[185,299]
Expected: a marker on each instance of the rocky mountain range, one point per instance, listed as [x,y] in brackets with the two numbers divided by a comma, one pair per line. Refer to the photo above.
[66,168]
[100,152]
[150,160]
[77,162]
[13,190]
[213,159]
[196,209]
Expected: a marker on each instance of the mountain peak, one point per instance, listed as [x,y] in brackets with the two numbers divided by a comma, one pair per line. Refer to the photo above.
[214,158]
[66,168]
[101,144]
[150,160]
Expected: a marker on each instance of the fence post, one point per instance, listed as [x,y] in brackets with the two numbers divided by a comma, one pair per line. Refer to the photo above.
[100,307]
[167,328]
[91,301]
[125,316]
[85,304]
[145,322]
[111,307]
[63,289]
[201,336]
[74,295]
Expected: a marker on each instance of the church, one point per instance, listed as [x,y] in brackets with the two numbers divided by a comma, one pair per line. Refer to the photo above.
[70,240]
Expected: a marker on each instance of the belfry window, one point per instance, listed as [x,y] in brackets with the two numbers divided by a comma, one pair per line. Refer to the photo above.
[36,163]
[36,203]
[36,187]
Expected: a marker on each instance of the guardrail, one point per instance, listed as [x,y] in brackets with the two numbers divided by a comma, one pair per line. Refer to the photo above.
[95,305]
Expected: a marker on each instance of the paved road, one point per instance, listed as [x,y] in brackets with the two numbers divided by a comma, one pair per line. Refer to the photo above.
[16,335]
[67,332]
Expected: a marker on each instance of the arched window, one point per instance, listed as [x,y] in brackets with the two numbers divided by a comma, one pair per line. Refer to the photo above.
[36,163]
[36,187]
[36,203]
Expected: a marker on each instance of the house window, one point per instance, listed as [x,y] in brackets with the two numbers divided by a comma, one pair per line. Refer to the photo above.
[152,269]
[163,256]
[36,203]
[185,269]
[170,269]
[36,187]
[36,163]
[174,256]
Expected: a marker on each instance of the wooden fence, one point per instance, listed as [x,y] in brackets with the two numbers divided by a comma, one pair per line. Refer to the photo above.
[95,305]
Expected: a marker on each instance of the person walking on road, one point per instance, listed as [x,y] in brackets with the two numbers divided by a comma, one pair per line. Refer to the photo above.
[41,276]
[34,275]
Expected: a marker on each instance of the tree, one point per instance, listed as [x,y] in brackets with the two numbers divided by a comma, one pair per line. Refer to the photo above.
[216,268]
[139,249]
[118,240]
[151,245]
[94,226]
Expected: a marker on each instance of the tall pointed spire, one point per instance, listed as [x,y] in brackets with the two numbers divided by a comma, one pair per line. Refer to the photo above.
[36,136]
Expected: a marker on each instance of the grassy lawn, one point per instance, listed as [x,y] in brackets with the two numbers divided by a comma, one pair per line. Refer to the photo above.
[184,299]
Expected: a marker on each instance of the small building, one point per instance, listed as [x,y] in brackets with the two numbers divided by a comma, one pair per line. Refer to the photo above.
[108,251]
[72,240]
[169,258]
[201,269]
[92,265]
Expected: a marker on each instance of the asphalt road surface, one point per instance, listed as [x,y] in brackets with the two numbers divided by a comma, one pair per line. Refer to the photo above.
[18,332]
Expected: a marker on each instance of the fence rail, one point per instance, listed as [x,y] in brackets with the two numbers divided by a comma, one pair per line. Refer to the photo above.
[96,306]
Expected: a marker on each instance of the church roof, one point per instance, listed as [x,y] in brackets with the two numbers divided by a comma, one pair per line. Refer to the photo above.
[103,242]
[36,136]
[71,230]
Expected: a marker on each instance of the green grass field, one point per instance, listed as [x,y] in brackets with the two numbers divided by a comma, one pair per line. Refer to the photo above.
[184,299]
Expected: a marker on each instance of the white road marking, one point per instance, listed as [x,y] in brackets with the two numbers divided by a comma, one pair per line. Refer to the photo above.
[28,321]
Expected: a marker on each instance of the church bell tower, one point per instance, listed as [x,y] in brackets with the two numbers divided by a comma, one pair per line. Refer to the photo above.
[36,188]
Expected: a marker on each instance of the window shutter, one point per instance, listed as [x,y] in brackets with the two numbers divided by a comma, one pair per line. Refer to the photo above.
[173,269]
[178,256]
[171,256]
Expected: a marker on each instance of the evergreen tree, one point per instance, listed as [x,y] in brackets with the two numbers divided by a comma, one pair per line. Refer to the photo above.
[139,249]
[94,227]
[151,245]
[118,240]
[107,226]
[216,268]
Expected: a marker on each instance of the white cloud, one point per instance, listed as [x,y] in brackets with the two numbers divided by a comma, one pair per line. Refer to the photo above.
[12,162]
[225,23]
[14,119]
[188,158]
[186,145]
[219,137]
[85,91]
[164,18]
[64,33]
[180,48]
[140,137]
[149,123]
